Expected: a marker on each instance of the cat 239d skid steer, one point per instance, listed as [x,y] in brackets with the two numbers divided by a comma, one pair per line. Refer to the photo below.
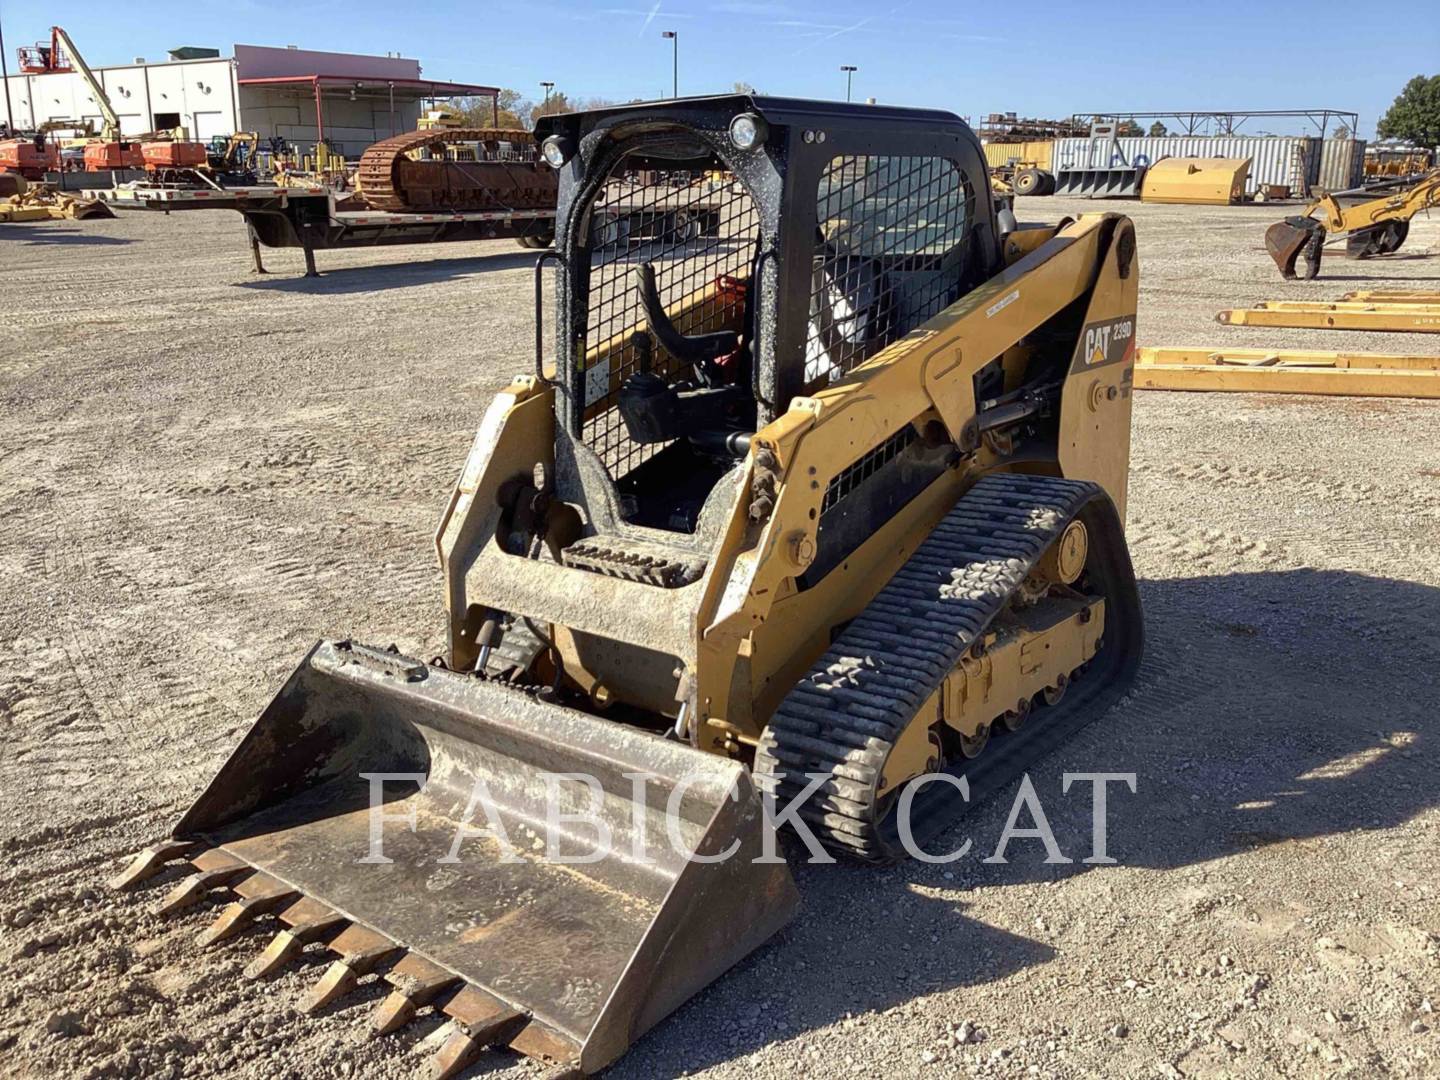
[817,487]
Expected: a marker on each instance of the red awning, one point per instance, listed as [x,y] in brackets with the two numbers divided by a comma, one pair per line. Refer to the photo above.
[429,87]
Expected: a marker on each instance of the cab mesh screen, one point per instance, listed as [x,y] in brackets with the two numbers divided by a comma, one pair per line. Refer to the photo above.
[699,232]
[889,254]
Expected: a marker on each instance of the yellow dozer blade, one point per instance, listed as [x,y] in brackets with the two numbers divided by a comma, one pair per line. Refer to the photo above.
[568,962]
[1197,181]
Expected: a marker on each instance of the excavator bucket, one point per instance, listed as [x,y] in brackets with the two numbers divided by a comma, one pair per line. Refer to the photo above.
[450,833]
[1287,240]
[1383,239]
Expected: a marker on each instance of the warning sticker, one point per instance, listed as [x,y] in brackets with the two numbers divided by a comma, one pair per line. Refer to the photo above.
[597,381]
[1001,304]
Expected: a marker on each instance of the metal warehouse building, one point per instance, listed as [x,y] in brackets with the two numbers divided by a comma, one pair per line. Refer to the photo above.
[300,95]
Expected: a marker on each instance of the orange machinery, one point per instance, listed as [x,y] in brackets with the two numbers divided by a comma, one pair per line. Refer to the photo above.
[32,162]
[107,156]
[159,156]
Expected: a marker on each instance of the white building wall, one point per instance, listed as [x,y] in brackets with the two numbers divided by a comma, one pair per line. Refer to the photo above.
[137,93]
[207,97]
[350,126]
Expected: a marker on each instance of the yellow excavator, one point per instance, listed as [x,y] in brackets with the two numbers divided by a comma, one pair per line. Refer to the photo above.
[801,522]
[1377,226]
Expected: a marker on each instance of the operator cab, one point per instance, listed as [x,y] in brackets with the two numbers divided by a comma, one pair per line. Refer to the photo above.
[688,317]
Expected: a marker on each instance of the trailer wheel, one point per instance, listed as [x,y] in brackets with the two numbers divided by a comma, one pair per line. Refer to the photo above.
[1047,183]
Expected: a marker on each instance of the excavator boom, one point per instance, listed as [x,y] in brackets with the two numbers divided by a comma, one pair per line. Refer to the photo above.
[1377,226]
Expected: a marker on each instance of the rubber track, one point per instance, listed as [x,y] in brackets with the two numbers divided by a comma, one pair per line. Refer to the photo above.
[376,174]
[844,715]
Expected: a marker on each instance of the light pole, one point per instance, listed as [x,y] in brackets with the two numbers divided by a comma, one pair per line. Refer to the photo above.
[5,78]
[545,108]
[849,70]
[674,61]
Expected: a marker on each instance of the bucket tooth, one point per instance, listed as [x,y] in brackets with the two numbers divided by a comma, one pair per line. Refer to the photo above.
[260,894]
[481,1020]
[542,1043]
[361,952]
[417,982]
[215,869]
[308,920]
[150,862]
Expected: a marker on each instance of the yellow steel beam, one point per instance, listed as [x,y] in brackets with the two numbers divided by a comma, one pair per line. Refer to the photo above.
[1390,307]
[1394,296]
[1288,372]
[1309,358]
[1403,318]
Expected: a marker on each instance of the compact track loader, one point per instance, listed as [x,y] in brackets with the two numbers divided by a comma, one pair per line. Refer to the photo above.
[809,500]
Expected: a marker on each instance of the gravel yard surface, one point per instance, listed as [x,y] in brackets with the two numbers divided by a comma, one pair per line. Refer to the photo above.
[202,472]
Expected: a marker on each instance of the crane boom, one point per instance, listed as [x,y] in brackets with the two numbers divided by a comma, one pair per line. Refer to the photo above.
[110,130]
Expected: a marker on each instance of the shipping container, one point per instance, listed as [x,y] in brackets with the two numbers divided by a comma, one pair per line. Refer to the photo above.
[1342,165]
[1274,159]
[1000,154]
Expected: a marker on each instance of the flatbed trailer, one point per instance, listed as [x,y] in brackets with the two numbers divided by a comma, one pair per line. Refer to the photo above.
[288,217]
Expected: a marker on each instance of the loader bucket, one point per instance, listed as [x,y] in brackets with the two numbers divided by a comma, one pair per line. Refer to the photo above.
[565,962]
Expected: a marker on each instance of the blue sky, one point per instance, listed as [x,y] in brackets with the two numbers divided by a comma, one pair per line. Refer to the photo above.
[1042,57]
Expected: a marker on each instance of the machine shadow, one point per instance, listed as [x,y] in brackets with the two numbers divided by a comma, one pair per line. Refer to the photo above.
[865,941]
[1241,734]
[399,275]
[1255,721]
[41,233]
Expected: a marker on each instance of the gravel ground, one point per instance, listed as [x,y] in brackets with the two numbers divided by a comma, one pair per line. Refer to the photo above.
[202,472]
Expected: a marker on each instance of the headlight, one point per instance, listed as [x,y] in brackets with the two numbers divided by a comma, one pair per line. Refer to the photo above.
[747,131]
[556,151]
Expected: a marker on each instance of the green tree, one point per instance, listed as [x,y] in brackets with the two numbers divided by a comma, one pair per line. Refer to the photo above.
[561,103]
[1415,116]
[481,112]
[556,104]
[1127,128]
[1157,130]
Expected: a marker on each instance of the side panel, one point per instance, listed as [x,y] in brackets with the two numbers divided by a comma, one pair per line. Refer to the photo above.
[516,434]
[1095,405]
[928,374]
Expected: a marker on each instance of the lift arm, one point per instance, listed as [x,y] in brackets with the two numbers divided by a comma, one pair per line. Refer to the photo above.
[110,130]
[1401,206]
